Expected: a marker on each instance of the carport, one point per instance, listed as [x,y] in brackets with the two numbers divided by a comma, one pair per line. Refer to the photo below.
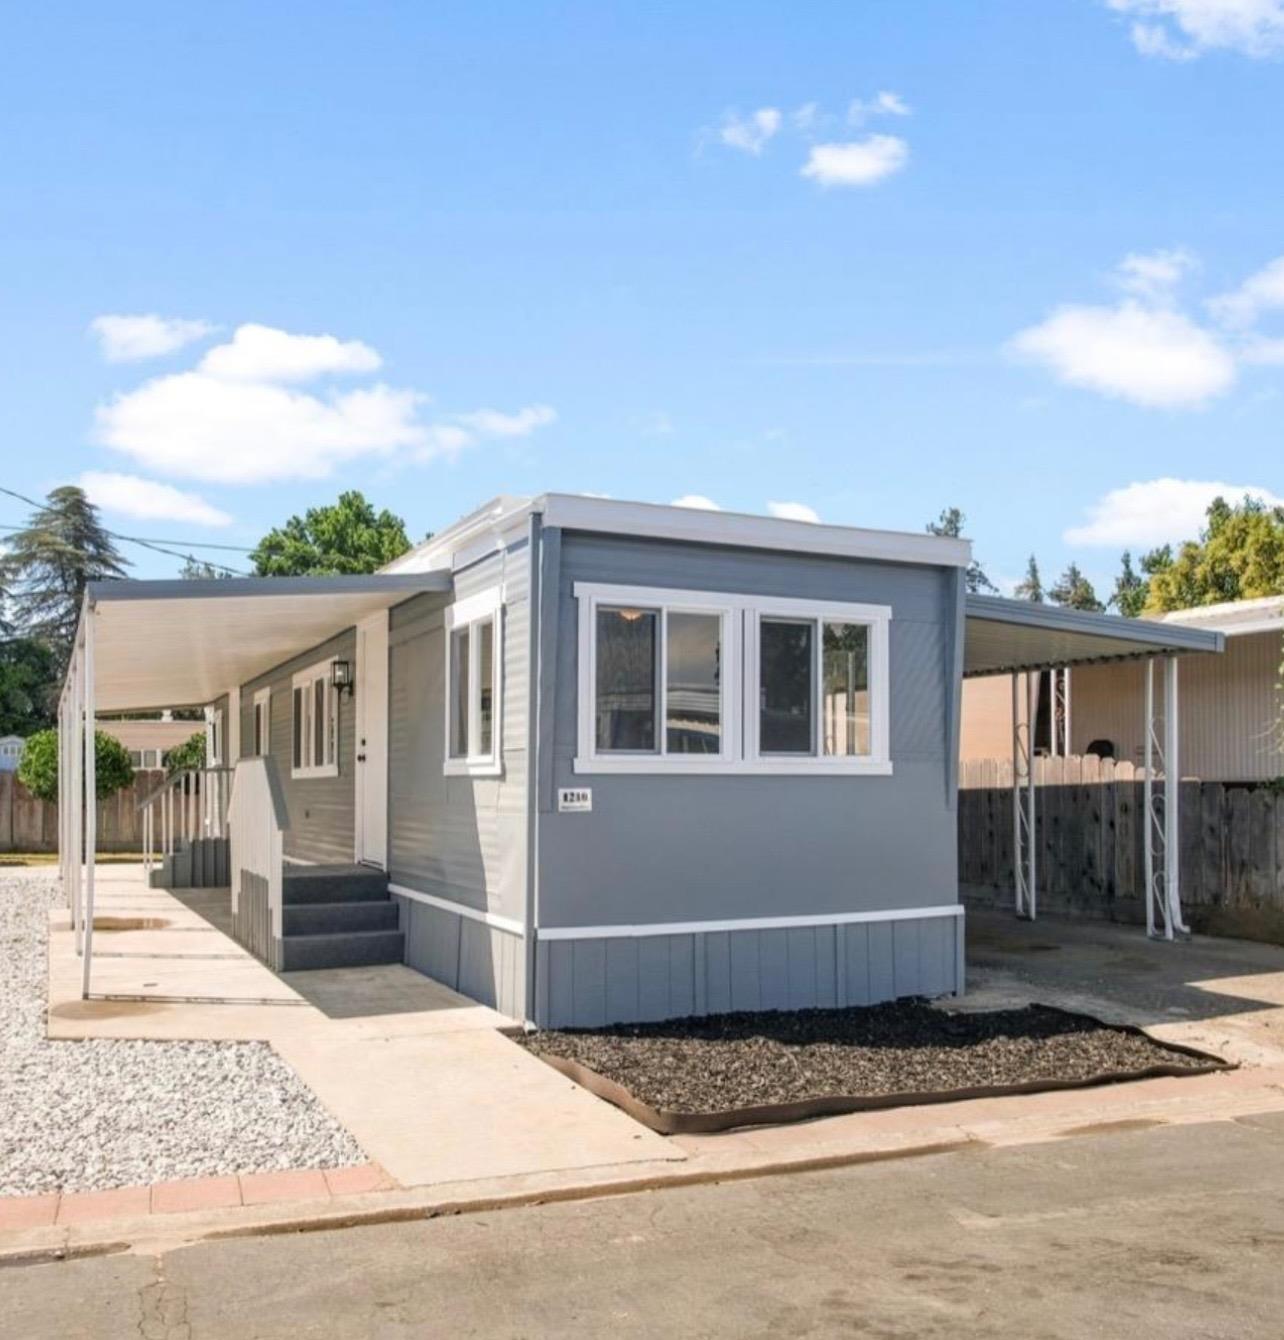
[1022,639]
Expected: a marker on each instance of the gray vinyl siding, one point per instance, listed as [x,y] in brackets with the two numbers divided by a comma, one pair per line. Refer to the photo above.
[462,839]
[321,809]
[476,960]
[667,848]
[591,983]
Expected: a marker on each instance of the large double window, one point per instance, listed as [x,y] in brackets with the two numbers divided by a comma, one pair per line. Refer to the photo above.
[675,680]
[315,727]
[473,680]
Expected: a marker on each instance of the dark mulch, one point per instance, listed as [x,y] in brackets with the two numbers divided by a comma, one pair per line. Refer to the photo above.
[729,1061]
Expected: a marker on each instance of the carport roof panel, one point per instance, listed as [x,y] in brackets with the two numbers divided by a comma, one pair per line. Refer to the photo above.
[1009,635]
[178,643]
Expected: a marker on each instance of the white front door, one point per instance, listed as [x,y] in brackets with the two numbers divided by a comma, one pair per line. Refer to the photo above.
[371,692]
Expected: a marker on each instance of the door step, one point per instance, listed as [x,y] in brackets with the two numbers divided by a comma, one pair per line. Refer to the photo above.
[351,949]
[338,916]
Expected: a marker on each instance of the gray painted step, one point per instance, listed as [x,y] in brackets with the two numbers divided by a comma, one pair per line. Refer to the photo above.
[357,949]
[336,918]
[332,884]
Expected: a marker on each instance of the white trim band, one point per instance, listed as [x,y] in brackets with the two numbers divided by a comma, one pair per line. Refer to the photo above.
[495,922]
[744,924]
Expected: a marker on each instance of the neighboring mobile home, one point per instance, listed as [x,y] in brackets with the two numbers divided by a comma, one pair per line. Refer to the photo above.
[610,761]
[1231,706]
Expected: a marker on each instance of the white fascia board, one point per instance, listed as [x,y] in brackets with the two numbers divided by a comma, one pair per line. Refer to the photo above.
[502,522]
[652,521]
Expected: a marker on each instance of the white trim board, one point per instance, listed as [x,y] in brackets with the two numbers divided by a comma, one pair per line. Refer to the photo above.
[491,919]
[745,924]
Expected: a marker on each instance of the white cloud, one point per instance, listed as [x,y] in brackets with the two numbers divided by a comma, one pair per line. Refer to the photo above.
[858,163]
[792,511]
[128,339]
[149,500]
[883,104]
[1154,275]
[697,501]
[1157,511]
[1149,356]
[493,423]
[236,419]
[1184,29]
[263,354]
[1266,352]
[750,134]
[193,426]
[1260,292]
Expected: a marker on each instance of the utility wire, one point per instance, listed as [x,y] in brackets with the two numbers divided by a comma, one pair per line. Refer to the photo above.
[135,539]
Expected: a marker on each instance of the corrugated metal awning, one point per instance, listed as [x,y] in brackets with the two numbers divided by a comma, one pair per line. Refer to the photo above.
[1009,635]
[184,643]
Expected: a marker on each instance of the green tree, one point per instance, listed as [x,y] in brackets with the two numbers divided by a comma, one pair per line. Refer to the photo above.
[1075,591]
[38,767]
[1239,555]
[27,676]
[198,570]
[50,561]
[347,537]
[950,525]
[1129,596]
[1031,586]
[189,754]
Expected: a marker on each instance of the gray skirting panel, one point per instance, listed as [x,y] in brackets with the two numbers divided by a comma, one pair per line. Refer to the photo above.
[468,956]
[590,983]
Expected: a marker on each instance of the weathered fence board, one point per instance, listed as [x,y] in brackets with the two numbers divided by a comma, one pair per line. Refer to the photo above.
[31,825]
[1091,845]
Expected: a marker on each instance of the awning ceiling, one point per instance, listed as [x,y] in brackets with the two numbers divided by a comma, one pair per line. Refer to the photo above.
[1008,635]
[185,643]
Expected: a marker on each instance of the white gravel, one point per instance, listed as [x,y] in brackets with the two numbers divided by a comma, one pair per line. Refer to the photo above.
[88,1116]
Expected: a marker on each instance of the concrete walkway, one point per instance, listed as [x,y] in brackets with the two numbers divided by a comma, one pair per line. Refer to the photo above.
[421,1076]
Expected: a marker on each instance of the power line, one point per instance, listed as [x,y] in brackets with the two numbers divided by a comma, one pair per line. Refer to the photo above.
[191,544]
[135,539]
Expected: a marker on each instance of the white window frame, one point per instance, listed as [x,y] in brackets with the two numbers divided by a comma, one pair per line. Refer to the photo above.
[877,618]
[328,767]
[263,703]
[742,615]
[214,739]
[666,601]
[471,613]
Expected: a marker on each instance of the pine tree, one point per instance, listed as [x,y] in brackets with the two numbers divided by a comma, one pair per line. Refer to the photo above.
[49,563]
[1131,588]
[1074,591]
[950,525]
[1032,587]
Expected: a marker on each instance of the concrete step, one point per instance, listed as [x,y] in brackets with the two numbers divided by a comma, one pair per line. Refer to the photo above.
[339,918]
[332,884]
[357,949]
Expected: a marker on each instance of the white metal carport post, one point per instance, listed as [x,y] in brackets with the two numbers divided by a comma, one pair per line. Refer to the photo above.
[1163,806]
[1024,859]
[90,797]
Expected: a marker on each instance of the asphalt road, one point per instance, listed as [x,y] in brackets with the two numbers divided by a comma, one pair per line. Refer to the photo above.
[1168,1232]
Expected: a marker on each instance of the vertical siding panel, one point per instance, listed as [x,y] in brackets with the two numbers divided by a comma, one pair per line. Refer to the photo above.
[654,999]
[588,982]
[800,951]
[561,982]
[882,981]
[683,957]
[826,954]
[622,1001]
[773,970]
[905,957]
[745,971]
[856,965]
[716,953]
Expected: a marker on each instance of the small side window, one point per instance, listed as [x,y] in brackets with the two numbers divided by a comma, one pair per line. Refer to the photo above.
[473,680]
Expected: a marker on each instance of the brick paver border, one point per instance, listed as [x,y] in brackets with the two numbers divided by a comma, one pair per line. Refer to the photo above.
[191,1193]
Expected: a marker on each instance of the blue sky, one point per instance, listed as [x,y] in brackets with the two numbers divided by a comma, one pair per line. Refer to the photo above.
[872,260]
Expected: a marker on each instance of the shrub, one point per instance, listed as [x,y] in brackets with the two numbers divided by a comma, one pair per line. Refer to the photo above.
[189,754]
[38,767]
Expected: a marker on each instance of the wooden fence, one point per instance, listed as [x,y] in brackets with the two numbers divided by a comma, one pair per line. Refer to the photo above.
[31,825]
[1091,857]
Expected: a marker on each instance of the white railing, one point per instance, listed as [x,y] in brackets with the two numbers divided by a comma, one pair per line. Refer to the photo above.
[188,805]
[257,823]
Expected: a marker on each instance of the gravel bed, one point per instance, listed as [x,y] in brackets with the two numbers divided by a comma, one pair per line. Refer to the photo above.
[727,1061]
[88,1116]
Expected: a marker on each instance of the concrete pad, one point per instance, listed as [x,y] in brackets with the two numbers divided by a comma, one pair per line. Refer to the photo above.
[456,1106]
